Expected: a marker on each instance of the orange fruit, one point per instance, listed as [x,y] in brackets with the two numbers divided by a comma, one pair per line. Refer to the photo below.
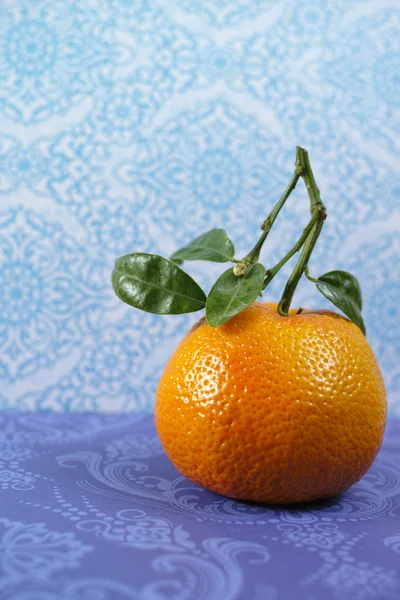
[273,409]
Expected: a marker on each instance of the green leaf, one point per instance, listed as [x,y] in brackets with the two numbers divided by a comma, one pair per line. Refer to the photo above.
[230,294]
[343,290]
[213,245]
[156,285]
[345,281]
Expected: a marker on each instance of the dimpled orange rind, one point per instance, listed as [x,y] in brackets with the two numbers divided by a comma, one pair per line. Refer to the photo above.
[273,409]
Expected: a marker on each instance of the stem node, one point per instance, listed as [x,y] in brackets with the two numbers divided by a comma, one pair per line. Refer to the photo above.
[239,269]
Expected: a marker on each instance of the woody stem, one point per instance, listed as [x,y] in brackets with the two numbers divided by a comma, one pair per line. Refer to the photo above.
[253,255]
[318,212]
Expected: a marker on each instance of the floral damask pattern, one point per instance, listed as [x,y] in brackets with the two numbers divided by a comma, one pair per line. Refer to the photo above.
[369,76]
[51,56]
[108,516]
[211,159]
[222,13]
[137,126]
[43,297]
[34,550]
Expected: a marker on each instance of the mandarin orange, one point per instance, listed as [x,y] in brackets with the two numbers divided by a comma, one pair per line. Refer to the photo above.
[273,409]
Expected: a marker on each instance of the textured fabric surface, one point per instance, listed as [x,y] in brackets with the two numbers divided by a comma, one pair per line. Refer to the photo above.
[136,125]
[93,509]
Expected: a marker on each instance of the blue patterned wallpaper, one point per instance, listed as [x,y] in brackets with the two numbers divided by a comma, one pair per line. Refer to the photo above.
[132,125]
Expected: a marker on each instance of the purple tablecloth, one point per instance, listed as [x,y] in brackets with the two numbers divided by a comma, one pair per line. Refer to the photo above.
[91,509]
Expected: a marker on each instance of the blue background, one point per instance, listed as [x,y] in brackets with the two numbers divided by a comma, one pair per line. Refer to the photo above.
[133,125]
[92,509]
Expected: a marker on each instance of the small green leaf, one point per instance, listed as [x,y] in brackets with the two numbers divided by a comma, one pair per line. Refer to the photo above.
[343,290]
[230,294]
[156,285]
[213,245]
[345,281]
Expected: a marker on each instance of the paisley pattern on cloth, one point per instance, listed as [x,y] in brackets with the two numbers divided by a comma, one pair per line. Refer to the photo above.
[92,508]
[136,125]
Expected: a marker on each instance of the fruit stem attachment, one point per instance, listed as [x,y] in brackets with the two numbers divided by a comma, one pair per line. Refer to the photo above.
[253,255]
[318,212]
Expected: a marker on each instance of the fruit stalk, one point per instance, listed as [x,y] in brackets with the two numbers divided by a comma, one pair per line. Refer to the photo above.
[253,255]
[270,274]
[318,212]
